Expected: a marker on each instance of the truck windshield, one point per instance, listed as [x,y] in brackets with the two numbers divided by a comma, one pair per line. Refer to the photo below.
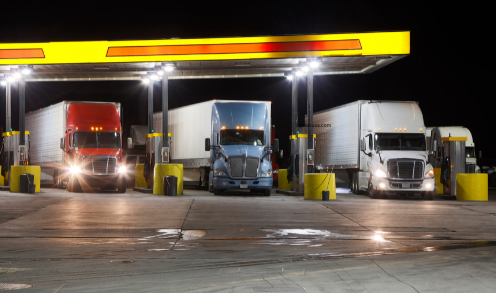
[399,142]
[470,152]
[87,139]
[241,137]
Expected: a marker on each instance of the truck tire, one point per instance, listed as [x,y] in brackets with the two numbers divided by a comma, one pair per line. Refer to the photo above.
[375,194]
[356,189]
[428,195]
[74,185]
[217,191]
[267,192]
[122,186]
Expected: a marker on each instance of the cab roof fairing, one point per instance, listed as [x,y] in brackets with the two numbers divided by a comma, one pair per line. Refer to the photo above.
[453,131]
[388,116]
[242,114]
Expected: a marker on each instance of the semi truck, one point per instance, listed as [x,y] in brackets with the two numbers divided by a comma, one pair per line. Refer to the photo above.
[78,145]
[380,144]
[436,133]
[222,144]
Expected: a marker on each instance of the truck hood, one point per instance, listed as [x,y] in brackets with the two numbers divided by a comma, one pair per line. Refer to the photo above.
[419,155]
[238,150]
[98,151]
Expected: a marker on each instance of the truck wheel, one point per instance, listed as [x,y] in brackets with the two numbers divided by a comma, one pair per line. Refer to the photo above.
[267,192]
[217,191]
[375,194]
[73,184]
[428,195]
[121,186]
[356,189]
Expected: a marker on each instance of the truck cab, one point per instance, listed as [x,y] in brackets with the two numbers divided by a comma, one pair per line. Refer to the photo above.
[393,151]
[240,147]
[93,147]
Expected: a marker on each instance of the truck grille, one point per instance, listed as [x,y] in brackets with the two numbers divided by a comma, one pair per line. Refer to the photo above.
[251,167]
[236,166]
[406,169]
[243,167]
[100,164]
[469,168]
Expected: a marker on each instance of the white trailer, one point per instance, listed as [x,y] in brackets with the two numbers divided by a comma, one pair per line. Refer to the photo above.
[381,145]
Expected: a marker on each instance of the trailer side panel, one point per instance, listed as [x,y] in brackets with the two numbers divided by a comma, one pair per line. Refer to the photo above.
[337,137]
[46,127]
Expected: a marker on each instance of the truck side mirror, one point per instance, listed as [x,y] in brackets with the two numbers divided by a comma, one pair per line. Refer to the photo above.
[435,146]
[281,154]
[62,143]
[276,145]
[362,145]
[129,143]
[269,151]
[430,153]
[207,144]
[480,155]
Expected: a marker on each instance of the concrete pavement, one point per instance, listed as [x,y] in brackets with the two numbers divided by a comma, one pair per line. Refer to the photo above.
[61,242]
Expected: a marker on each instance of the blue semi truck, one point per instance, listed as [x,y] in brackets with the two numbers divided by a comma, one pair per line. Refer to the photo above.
[222,144]
[239,146]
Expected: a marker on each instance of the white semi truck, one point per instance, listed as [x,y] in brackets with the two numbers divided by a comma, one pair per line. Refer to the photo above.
[381,145]
[436,133]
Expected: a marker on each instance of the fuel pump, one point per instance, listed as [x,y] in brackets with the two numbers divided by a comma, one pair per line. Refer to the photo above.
[304,157]
[13,154]
[155,154]
[453,162]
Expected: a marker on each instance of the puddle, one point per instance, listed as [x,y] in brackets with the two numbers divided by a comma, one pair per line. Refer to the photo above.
[390,251]
[319,234]
[176,233]
[193,234]
[305,232]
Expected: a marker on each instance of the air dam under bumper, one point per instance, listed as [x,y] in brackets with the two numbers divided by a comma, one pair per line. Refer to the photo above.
[396,186]
[228,183]
[99,180]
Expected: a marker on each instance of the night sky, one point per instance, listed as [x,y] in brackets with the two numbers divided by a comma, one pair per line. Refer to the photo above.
[447,71]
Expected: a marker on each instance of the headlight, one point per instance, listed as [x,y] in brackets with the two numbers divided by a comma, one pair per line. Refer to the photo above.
[380,173]
[75,169]
[218,172]
[122,169]
[267,173]
[429,174]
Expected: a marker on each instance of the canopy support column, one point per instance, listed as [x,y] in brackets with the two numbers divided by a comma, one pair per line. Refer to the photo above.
[165,109]
[150,106]
[294,125]
[310,114]
[8,107]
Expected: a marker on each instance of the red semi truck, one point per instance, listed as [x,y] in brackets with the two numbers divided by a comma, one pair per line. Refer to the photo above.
[78,145]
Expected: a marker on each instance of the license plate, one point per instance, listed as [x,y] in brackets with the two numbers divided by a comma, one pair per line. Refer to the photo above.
[243,186]
[405,185]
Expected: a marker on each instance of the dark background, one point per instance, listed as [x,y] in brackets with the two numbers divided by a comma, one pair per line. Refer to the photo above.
[448,71]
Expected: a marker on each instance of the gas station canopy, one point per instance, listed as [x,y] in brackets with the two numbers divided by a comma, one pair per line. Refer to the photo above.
[270,56]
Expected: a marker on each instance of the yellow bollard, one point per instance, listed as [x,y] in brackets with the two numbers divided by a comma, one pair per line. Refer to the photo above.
[471,186]
[282,181]
[2,179]
[169,170]
[439,185]
[315,183]
[15,180]
[139,177]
